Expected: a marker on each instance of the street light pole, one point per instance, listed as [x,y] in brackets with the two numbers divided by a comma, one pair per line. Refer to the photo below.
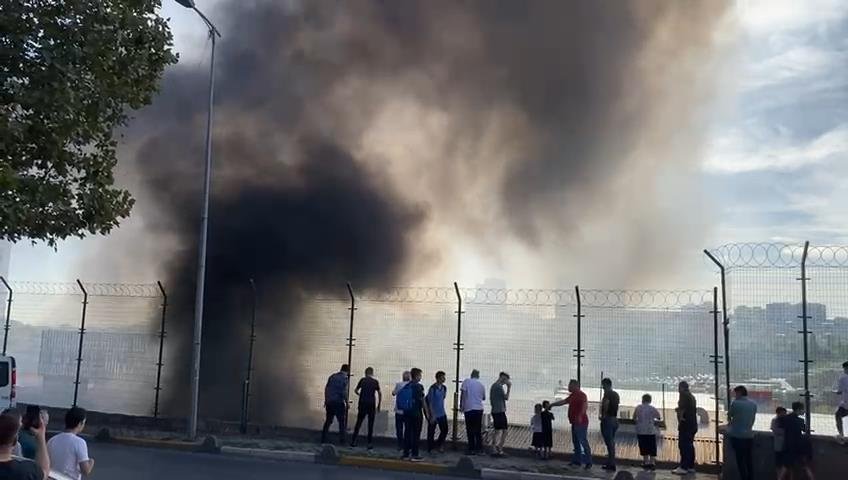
[204,222]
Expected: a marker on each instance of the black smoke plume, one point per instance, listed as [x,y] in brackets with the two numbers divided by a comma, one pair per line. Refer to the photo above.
[349,136]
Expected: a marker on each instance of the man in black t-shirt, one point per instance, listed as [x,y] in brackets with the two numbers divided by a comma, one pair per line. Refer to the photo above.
[797,452]
[609,421]
[15,468]
[367,388]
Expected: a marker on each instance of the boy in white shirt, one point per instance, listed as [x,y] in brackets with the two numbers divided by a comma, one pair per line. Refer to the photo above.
[68,452]
[646,432]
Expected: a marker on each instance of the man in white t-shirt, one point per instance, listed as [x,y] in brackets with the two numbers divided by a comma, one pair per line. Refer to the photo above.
[68,452]
[841,389]
[472,396]
[398,412]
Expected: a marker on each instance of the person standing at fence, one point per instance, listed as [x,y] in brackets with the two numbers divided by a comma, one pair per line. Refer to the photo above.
[335,402]
[537,438]
[547,430]
[841,389]
[779,435]
[472,396]
[797,451]
[68,452]
[687,427]
[646,432]
[367,389]
[12,468]
[438,416]
[578,405]
[609,421]
[498,398]
[741,418]
[398,412]
[410,399]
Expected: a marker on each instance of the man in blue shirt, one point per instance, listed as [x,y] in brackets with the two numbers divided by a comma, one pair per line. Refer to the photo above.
[413,415]
[335,402]
[741,418]
[436,400]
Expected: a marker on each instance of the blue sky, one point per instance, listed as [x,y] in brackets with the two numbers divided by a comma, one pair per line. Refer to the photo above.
[776,162]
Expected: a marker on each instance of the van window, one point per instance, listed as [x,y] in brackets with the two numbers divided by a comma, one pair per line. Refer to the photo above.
[4,373]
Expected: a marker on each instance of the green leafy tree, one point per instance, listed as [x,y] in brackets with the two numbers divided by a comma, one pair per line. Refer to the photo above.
[70,71]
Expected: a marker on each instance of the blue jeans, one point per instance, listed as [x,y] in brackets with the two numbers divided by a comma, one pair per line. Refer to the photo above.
[609,426]
[582,452]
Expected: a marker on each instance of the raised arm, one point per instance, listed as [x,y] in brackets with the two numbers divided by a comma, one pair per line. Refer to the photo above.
[41,457]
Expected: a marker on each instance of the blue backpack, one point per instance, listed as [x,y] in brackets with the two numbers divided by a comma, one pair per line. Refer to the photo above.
[404,400]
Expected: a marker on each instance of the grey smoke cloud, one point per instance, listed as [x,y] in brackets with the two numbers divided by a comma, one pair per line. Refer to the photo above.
[354,139]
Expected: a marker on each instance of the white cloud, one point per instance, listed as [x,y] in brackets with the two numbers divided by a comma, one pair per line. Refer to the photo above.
[765,17]
[737,152]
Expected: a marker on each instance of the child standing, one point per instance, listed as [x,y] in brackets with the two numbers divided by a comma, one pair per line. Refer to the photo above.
[547,430]
[646,432]
[536,428]
[779,435]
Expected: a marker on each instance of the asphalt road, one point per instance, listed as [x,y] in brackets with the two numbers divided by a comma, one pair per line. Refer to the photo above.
[133,463]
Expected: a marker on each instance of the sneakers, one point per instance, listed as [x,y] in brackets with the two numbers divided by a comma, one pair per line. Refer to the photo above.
[416,459]
[840,439]
[609,468]
[370,448]
[680,471]
[588,466]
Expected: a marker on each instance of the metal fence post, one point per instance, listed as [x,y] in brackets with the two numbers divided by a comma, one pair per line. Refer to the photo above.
[8,314]
[716,360]
[81,336]
[161,348]
[458,348]
[579,350]
[805,333]
[726,325]
[245,406]
[350,343]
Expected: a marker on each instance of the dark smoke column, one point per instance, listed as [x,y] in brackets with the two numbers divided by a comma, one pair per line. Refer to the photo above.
[321,178]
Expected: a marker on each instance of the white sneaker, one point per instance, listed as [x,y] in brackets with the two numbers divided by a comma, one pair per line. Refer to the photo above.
[680,471]
[840,439]
[691,471]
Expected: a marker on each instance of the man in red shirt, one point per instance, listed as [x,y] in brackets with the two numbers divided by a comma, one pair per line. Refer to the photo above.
[579,420]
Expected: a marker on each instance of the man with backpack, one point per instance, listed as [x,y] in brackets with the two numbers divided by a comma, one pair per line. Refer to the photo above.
[410,399]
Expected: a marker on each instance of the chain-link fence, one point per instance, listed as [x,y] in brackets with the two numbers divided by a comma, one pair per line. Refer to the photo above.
[118,367]
[645,341]
[771,288]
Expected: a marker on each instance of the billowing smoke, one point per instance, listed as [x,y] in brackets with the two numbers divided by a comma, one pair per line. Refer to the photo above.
[380,141]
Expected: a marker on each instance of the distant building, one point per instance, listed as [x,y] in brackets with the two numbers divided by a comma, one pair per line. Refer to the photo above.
[5,258]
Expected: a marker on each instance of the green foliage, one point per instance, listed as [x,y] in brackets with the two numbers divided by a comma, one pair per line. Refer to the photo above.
[70,70]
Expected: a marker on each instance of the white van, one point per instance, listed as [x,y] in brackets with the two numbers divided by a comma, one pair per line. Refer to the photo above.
[8,381]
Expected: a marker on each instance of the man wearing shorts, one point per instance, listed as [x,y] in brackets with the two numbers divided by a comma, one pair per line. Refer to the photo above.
[498,398]
[842,412]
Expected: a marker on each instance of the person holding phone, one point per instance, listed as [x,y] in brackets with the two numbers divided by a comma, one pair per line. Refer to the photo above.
[34,418]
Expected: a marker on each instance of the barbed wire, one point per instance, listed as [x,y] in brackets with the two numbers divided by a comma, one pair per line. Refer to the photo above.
[93,289]
[780,255]
[535,297]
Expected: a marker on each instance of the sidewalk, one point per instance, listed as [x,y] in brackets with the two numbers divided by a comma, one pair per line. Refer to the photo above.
[516,463]
[386,456]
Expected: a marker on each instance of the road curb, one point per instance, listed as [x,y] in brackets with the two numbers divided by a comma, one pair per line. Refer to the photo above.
[495,474]
[163,444]
[287,455]
[396,465]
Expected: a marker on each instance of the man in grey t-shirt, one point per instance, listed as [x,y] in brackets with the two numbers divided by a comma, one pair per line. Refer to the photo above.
[498,398]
